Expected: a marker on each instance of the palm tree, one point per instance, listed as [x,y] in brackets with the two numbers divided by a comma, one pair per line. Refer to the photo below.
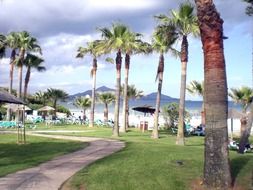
[133,46]
[42,97]
[106,98]
[197,88]
[55,95]
[91,50]
[32,61]
[249,8]
[163,38]
[116,39]
[216,159]
[26,43]
[132,94]
[2,45]
[244,97]
[9,41]
[83,102]
[185,22]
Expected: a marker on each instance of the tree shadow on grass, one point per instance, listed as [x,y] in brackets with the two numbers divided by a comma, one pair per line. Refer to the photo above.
[237,164]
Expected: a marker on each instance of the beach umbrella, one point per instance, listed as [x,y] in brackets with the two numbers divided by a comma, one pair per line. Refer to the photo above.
[16,107]
[46,108]
[144,109]
[6,97]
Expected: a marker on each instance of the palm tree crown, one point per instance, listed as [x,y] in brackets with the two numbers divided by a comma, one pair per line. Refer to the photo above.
[242,96]
[82,102]
[196,87]
[106,97]
[55,95]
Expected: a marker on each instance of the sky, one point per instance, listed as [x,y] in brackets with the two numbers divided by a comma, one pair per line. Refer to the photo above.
[62,26]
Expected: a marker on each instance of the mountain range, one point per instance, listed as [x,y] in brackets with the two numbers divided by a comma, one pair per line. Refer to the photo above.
[151,96]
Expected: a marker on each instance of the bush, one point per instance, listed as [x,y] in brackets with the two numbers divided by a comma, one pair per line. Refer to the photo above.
[171,114]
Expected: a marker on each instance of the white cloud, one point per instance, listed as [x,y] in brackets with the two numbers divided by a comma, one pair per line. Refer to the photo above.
[119,5]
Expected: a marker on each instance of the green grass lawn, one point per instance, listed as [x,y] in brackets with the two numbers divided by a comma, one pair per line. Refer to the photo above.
[14,157]
[151,164]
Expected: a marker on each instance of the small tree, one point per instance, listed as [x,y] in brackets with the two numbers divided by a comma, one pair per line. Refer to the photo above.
[55,95]
[83,102]
[106,98]
[242,96]
[171,114]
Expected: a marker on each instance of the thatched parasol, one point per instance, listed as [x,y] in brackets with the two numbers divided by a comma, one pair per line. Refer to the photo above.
[6,97]
[46,108]
[145,109]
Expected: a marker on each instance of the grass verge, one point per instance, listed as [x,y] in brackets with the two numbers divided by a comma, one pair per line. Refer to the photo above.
[14,157]
[151,164]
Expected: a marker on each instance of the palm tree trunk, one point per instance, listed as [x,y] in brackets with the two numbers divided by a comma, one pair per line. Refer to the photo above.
[94,72]
[246,125]
[160,70]
[22,54]
[117,94]
[243,133]
[127,115]
[216,164]
[203,115]
[54,105]
[27,78]
[106,113]
[125,98]
[184,60]
[12,58]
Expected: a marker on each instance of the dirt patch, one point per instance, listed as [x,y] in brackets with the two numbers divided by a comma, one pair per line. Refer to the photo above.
[197,184]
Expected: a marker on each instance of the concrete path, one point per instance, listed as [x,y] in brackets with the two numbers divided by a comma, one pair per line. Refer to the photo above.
[52,174]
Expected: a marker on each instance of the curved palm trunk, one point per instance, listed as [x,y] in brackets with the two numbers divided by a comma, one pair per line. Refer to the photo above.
[106,113]
[94,73]
[160,70]
[246,125]
[117,94]
[216,164]
[184,60]
[125,98]
[12,58]
[27,78]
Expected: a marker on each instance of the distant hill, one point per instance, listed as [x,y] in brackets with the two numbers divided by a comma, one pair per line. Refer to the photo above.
[152,96]
[88,92]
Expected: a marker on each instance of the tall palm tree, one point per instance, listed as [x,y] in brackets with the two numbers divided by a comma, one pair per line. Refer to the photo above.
[133,46]
[163,39]
[83,102]
[91,50]
[197,88]
[55,95]
[116,39]
[32,61]
[244,97]
[106,98]
[26,43]
[216,159]
[9,42]
[185,22]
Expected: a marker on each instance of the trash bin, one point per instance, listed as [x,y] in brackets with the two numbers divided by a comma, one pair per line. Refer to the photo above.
[143,125]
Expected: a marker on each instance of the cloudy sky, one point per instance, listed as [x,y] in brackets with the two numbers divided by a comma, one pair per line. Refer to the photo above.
[62,26]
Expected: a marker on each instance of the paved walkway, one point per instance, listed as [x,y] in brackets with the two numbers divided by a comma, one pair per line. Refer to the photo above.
[52,174]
